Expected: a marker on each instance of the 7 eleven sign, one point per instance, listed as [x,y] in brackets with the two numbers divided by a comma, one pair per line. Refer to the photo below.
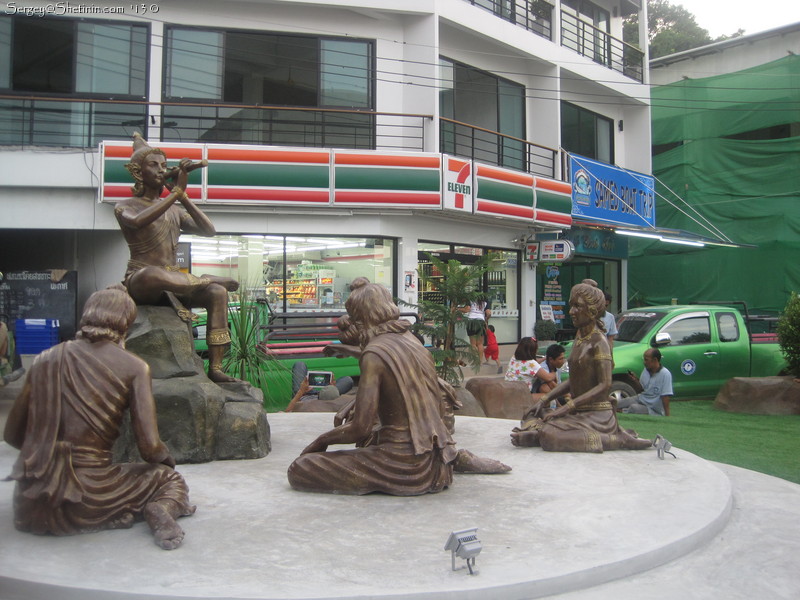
[457,187]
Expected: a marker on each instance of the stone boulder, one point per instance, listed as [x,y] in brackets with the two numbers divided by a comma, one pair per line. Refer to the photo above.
[198,420]
[499,398]
[760,396]
[164,342]
[470,407]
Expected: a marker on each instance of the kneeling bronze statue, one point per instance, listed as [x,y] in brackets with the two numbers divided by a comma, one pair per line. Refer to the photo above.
[65,422]
[587,422]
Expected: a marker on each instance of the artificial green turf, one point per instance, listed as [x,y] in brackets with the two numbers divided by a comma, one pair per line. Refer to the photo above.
[767,444]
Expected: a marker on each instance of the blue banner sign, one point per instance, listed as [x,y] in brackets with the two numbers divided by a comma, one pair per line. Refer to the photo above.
[602,192]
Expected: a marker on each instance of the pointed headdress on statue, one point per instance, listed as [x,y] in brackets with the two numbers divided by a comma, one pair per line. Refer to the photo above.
[141,150]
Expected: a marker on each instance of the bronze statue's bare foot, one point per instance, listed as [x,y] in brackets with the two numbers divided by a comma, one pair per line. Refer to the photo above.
[467,462]
[525,438]
[637,444]
[217,376]
[166,531]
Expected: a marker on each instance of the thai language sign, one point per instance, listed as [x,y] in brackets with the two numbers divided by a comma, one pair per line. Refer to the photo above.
[602,192]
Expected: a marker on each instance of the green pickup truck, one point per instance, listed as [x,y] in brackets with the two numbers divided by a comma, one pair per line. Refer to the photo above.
[702,346]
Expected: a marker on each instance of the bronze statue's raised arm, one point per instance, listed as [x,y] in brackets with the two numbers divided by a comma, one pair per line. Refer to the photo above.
[197,221]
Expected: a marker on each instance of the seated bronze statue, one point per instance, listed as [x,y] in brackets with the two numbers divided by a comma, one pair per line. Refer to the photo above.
[151,226]
[65,422]
[398,419]
[587,422]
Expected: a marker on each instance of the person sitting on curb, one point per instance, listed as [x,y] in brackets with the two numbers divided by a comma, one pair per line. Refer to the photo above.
[554,360]
[524,367]
[656,380]
[304,392]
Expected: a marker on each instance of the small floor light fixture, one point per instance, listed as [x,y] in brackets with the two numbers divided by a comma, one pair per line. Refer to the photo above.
[464,544]
[663,446]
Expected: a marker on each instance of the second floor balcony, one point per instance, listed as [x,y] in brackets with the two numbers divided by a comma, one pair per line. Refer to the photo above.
[27,121]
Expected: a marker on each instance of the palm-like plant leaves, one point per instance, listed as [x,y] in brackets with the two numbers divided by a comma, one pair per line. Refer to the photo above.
[459,285]
[245,360]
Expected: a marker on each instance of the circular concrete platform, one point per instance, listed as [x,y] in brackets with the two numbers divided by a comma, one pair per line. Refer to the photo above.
[557,522]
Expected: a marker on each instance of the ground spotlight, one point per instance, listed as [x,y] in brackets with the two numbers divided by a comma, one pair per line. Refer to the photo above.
[464,544]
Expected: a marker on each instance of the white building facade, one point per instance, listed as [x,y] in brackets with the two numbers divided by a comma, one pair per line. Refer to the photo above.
[344,138]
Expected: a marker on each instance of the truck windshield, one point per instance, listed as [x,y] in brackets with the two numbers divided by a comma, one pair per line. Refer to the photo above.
[634,325]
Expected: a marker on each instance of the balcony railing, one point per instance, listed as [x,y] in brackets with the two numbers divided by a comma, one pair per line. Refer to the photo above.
[484,145]
[596,44]
[83,123]
[29,121]
[577,35]
[534,15]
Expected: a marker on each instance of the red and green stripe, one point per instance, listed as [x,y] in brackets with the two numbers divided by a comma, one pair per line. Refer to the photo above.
[387,179]
[553,202]
[268,176]
[503,193]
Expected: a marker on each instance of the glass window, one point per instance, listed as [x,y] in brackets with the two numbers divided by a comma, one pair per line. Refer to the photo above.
[728,327]
[43,55]
[500,283]
[5,53]
[344,74]
[587,133]
[511,116]
[111,59]
[480,99]
[64,56]
[296,273]
[249,67]
[692,330]
[194,64]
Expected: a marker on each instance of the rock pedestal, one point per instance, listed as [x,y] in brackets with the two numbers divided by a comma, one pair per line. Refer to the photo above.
[198,420]
[760,396]
[499,398]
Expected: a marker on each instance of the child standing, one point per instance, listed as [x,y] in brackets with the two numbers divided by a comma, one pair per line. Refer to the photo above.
[492,350]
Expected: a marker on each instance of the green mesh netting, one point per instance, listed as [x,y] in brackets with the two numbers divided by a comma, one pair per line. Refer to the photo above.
[748,188]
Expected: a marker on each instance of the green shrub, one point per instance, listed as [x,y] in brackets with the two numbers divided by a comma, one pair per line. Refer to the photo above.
[545,330]
[789,333]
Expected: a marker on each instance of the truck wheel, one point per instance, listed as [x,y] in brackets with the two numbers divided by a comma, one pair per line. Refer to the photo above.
[620,389]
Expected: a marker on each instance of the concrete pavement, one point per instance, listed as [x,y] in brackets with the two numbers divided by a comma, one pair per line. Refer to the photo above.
[616,525]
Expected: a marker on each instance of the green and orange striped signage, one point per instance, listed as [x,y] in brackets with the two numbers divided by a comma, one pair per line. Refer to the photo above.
[553,202]
[379,180]
[503,193]
[272,175]
[259,175]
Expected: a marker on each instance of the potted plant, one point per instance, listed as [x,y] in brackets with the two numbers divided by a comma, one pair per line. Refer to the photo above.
[457,286]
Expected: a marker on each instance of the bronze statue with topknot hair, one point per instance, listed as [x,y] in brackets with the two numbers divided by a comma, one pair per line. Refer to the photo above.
[152,225]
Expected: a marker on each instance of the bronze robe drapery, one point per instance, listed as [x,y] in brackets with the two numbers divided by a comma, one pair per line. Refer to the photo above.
[403,461]
[67,486]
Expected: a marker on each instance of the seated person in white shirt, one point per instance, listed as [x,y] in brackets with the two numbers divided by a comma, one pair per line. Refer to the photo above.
[524,367]
[656,381]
